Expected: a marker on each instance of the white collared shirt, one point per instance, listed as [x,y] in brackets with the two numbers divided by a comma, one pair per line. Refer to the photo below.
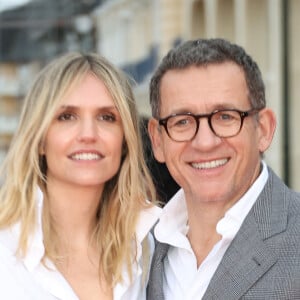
[29,279]
[182,278]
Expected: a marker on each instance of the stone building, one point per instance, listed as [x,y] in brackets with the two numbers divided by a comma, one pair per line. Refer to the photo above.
[31,34]
[137,33]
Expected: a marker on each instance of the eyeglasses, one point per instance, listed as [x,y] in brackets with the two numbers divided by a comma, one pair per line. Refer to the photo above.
[223,123]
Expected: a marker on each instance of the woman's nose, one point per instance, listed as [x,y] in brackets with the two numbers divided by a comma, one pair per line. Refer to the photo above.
[87,131]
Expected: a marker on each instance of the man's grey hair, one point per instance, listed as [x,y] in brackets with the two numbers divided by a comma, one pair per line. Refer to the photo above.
[203,52]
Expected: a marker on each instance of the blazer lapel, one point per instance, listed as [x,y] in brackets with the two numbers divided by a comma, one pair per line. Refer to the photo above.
[252,253]
[245,261]
[155,285]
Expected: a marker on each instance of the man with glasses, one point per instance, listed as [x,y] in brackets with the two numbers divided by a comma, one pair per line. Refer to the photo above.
[233,229]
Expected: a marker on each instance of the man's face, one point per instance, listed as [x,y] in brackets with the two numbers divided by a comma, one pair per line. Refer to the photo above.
[210,168]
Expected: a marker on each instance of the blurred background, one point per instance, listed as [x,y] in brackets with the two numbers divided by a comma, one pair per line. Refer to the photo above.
[136,34]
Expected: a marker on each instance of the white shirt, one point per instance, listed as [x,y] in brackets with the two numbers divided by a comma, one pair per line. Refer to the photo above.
[29,279]
[182,278]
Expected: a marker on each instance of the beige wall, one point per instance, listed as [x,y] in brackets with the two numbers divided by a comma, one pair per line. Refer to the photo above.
[127,30]
[14,82]
[254,24]
[124,30]
[294,120]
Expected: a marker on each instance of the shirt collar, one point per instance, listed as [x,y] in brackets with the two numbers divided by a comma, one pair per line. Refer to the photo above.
[10,238]
[172,226]
[36,250]
[148,217]
[229,225]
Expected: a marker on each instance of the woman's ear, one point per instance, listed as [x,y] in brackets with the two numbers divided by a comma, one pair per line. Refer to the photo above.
[156,140]
[43,164]
[124,150]
[42,148]
[267,126]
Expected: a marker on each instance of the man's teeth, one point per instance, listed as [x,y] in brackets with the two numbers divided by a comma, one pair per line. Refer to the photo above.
[86,156]
[210,164]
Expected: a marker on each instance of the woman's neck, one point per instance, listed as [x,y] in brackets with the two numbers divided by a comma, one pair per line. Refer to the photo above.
[74,210]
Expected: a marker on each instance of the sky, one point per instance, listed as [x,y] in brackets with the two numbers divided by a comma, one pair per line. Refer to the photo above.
[8,4]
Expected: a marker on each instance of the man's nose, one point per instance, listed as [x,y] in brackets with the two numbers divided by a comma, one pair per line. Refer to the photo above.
[205,137]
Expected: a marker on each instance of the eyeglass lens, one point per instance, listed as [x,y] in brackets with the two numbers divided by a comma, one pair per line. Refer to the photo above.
[222,123]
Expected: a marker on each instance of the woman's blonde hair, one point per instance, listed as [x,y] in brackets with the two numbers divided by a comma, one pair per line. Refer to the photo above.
[24,170]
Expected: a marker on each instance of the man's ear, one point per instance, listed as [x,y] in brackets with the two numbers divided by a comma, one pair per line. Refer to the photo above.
[156,140]
[267,126]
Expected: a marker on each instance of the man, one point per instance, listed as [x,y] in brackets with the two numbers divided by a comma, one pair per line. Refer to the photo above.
[233,230]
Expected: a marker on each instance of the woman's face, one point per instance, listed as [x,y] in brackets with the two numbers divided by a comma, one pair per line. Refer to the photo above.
[83,144]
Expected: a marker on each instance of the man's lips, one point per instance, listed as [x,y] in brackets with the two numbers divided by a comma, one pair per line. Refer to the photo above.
[210,164]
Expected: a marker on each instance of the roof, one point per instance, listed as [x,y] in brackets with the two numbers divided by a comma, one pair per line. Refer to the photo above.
[40,29]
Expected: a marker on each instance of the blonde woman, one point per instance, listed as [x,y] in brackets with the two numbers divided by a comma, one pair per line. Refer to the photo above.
[74,219]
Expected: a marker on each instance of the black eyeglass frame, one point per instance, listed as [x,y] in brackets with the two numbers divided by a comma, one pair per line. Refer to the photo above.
[243,114]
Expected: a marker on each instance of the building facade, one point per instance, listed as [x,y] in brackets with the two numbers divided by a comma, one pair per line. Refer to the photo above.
[136,34]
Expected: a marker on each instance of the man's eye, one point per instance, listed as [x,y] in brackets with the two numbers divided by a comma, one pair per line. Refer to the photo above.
[182,122]
[66,117]
[227,116]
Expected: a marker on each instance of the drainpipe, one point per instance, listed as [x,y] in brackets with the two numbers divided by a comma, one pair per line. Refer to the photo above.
[285,88]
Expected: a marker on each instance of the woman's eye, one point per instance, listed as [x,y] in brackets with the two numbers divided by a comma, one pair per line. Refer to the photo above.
[66,117]
[107,118]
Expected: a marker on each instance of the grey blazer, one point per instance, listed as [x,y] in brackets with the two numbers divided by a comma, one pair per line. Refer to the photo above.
[263,260]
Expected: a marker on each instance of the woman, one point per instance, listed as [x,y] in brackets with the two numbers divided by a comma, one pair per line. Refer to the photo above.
[74,219]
